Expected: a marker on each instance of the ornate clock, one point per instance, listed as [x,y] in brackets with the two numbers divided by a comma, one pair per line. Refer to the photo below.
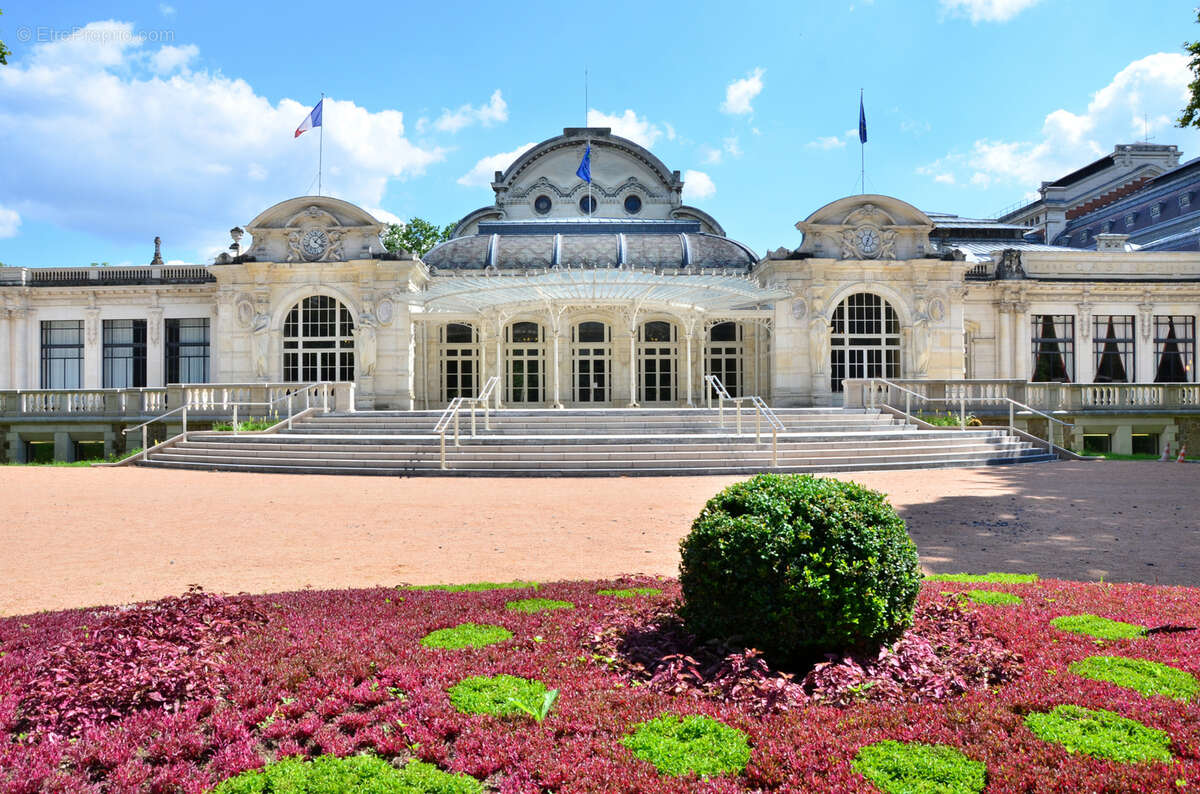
[868,239]
[314,243]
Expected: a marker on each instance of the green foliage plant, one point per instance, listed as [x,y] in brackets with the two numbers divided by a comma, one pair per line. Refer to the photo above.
[417,236]
[531,605]
[361,773]
[1141,675]
[689,745]
[984,578]
[796,566]
[502,696]
[1190,115]
[1100,733]
[631,592]
[916,768]
[993,597]
[473,587]
[1098,627]
[466,635]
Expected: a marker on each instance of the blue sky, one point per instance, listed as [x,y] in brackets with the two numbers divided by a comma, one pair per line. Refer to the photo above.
[122,121]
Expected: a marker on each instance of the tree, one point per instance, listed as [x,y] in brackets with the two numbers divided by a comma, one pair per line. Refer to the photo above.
[417,236]
[4,51]
[1191,114]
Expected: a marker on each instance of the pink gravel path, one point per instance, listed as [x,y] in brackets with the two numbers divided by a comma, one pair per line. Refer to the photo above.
[76,537]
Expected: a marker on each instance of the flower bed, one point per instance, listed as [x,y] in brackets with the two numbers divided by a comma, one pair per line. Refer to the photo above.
[182,694]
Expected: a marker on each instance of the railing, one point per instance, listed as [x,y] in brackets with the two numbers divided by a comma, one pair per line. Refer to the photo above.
[140,403]
[1067,397]
[761,411]
[880,390]
[449,417]
[199,398]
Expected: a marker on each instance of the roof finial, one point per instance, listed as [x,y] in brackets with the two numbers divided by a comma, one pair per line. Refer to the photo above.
[157,260]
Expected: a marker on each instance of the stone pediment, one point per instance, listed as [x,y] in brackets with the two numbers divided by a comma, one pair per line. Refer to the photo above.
[866,227]
[315,229]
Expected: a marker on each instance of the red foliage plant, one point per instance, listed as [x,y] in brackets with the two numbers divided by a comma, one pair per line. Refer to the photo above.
[181,694]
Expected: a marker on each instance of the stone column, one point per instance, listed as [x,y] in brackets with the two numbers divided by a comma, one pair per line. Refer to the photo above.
[155,374]
[19,323]
[5,350]
[500,361]
[92,351]
[633,366]
[1020,349]
[482,376]
[1004,342]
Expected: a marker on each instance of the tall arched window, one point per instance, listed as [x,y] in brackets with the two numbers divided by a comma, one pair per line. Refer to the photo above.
[459,361]
[318,341]
[591,362]
[525,363]
[723,354]
[865,340]
[658,356]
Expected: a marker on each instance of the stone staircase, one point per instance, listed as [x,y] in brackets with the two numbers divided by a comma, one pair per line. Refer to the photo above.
[594,442]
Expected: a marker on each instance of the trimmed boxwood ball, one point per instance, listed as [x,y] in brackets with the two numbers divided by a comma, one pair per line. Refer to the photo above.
[797,566]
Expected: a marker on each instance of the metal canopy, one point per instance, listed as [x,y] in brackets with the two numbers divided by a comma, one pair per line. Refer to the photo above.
[702,293]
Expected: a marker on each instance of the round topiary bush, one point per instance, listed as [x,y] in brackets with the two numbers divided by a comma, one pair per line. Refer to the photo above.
[796,566]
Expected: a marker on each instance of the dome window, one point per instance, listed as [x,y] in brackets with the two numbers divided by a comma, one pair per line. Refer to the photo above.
[587,205]
[542,204]
[633,204]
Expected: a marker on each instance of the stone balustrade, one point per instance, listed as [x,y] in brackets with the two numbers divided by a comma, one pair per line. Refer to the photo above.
[1060,397]
[209,399]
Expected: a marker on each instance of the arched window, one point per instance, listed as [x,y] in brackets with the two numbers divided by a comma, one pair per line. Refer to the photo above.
[591,362]
[723,356]
[459,361]
[658,357]
[318,341]
[864,341]
[525,363]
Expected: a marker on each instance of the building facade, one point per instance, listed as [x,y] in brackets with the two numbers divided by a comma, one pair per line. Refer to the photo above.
[613,293]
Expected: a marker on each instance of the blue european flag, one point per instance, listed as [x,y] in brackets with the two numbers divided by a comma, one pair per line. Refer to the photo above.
[862,121]
[584,171]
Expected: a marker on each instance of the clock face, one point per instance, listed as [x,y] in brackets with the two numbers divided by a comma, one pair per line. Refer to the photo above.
[868,240]
[314,242]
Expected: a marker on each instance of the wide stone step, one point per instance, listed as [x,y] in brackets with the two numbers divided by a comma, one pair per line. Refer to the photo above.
[571,454]
[824,467]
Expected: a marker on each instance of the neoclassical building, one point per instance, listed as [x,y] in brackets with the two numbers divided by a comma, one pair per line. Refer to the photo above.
[609,294]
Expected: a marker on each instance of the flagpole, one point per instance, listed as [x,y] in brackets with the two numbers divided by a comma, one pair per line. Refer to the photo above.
[862,152]
[591,208]
[321,146]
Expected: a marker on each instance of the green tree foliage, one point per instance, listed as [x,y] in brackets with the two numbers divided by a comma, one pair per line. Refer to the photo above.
[416,236]
[1191,114]
[4,51]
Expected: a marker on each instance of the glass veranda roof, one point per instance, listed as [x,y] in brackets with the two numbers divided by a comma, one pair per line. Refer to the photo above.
[705,293]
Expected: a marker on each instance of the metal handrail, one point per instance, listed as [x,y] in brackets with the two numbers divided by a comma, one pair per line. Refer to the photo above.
[450,415]
[306,390]
[1013,405]
[761,411]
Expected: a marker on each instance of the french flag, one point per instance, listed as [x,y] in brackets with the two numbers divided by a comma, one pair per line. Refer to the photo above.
[313,119]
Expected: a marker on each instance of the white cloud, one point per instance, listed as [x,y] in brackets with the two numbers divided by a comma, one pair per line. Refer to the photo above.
[915,127]
[826,143]
[383,215]
[494,112]
[169,58]
[166,10]
[945,179]
[627,125]
[710,155]
[697,185]
[731,147]
[741,93]
[1151,89]
[483,172]
[986,10]
[670,130]
[94,141]
[10,222]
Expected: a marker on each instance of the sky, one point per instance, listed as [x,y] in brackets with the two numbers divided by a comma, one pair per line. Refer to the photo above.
[122,121]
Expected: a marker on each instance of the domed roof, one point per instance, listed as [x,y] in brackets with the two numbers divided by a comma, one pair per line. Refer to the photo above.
[590,243]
